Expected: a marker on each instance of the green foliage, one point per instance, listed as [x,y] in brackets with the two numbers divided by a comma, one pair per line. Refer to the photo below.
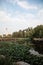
[38,35]
[23,34]
[38,31]
[17,52]
[27,33]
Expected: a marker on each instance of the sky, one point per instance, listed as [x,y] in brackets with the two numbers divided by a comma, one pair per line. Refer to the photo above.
[20,14]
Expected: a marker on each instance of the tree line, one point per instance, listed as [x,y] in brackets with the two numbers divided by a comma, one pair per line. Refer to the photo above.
[26,33]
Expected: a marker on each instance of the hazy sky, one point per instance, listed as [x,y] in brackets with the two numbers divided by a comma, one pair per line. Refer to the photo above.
[20,14]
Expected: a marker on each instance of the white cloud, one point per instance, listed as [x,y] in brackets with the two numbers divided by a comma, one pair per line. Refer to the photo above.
[12,23]
[39,16]
[40,13]
[19,16]
[6,17]
[20,21]
[26,5]
[23,3]
[3,16]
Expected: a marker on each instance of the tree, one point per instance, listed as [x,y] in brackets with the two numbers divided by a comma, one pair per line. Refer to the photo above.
[4,35]
[38,31]
[9,36]
[38,34]
[0,36]
[15,34]
[23,33]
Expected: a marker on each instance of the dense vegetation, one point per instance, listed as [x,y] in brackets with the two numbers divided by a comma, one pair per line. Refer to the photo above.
[38,31]
[11,52]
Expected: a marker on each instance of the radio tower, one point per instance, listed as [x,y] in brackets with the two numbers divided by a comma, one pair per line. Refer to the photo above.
[6,30]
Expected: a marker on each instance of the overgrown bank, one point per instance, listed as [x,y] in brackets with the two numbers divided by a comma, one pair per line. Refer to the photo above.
[10,53]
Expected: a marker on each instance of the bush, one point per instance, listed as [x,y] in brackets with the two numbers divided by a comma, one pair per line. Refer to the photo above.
[17,52]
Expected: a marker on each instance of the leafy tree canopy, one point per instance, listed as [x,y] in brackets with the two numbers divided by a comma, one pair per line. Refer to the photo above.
[38,31]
